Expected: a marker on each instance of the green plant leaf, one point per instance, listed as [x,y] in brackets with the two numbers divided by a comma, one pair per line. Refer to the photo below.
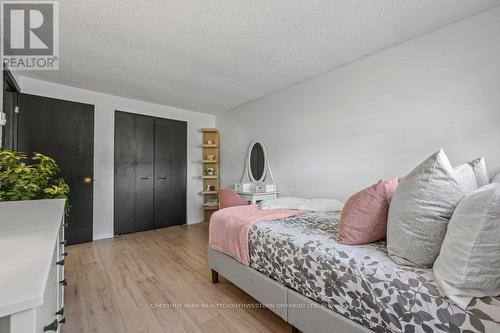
[20,180]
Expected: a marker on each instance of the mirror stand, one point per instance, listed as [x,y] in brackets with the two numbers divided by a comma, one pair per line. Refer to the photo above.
[257,176]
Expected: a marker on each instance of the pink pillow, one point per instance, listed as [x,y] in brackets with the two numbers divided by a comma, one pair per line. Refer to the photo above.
[364,217]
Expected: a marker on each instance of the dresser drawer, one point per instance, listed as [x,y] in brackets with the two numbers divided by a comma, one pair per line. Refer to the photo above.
[43,318]
[31,296]
[61,279]
[45,315]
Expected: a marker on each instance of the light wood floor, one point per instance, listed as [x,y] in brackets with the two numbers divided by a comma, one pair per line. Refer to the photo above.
[125,285]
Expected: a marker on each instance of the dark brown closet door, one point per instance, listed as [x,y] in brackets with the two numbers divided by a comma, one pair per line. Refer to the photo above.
[63,130]
[170,172]
[133,183]
[144,187]
[124,182]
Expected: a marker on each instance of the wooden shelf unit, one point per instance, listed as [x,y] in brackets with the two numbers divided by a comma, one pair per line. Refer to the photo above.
[210,197]
[208,193]
[208,130]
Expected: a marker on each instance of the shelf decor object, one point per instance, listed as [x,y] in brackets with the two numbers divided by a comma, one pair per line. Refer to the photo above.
[210,176]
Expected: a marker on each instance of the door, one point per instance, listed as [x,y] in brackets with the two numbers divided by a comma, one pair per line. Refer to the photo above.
[10,93]
[170,172]
[63,130]
[133,183]
[10,129]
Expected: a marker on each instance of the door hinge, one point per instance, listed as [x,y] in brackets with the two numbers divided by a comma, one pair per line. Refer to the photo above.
[16,109]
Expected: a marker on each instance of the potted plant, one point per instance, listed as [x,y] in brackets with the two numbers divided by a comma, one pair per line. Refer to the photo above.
[23,178]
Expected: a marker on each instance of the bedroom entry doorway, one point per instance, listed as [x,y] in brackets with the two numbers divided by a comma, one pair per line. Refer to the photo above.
[63,130]
[10,94]
[150,171]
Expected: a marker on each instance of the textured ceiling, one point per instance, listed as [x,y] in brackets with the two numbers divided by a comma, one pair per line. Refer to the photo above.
[213,55]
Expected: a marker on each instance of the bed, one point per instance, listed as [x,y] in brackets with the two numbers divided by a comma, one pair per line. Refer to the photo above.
[301,273]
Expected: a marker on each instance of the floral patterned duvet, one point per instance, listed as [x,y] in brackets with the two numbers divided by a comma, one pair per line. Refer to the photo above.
[360,282]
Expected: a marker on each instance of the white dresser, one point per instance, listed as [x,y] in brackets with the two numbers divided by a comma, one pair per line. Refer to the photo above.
[32,266]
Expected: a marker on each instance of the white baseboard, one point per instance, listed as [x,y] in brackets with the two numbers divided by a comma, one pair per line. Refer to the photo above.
[195,220]
[109,235]
[103,236]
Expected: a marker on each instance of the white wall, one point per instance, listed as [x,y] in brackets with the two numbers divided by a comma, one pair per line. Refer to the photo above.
[105,105]
[380,116]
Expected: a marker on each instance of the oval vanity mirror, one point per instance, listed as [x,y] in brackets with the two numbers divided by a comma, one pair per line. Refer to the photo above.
[257,162]
[257,176]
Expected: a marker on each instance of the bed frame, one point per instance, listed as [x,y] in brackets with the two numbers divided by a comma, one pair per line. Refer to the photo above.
[304,314]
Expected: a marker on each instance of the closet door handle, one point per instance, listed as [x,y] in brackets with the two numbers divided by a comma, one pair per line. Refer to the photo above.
[144,178]
[52,326]
[162,178]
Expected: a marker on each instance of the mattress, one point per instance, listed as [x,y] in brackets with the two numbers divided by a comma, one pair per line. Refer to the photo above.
[360,282]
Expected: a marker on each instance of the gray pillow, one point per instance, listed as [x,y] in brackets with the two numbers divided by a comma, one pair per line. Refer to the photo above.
[468,264]
[480,171]
[422,207]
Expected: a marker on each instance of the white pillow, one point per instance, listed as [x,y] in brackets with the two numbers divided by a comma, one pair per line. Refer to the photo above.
[480,171]
[496,179]
[468,265]
[465,175]
[315,205]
